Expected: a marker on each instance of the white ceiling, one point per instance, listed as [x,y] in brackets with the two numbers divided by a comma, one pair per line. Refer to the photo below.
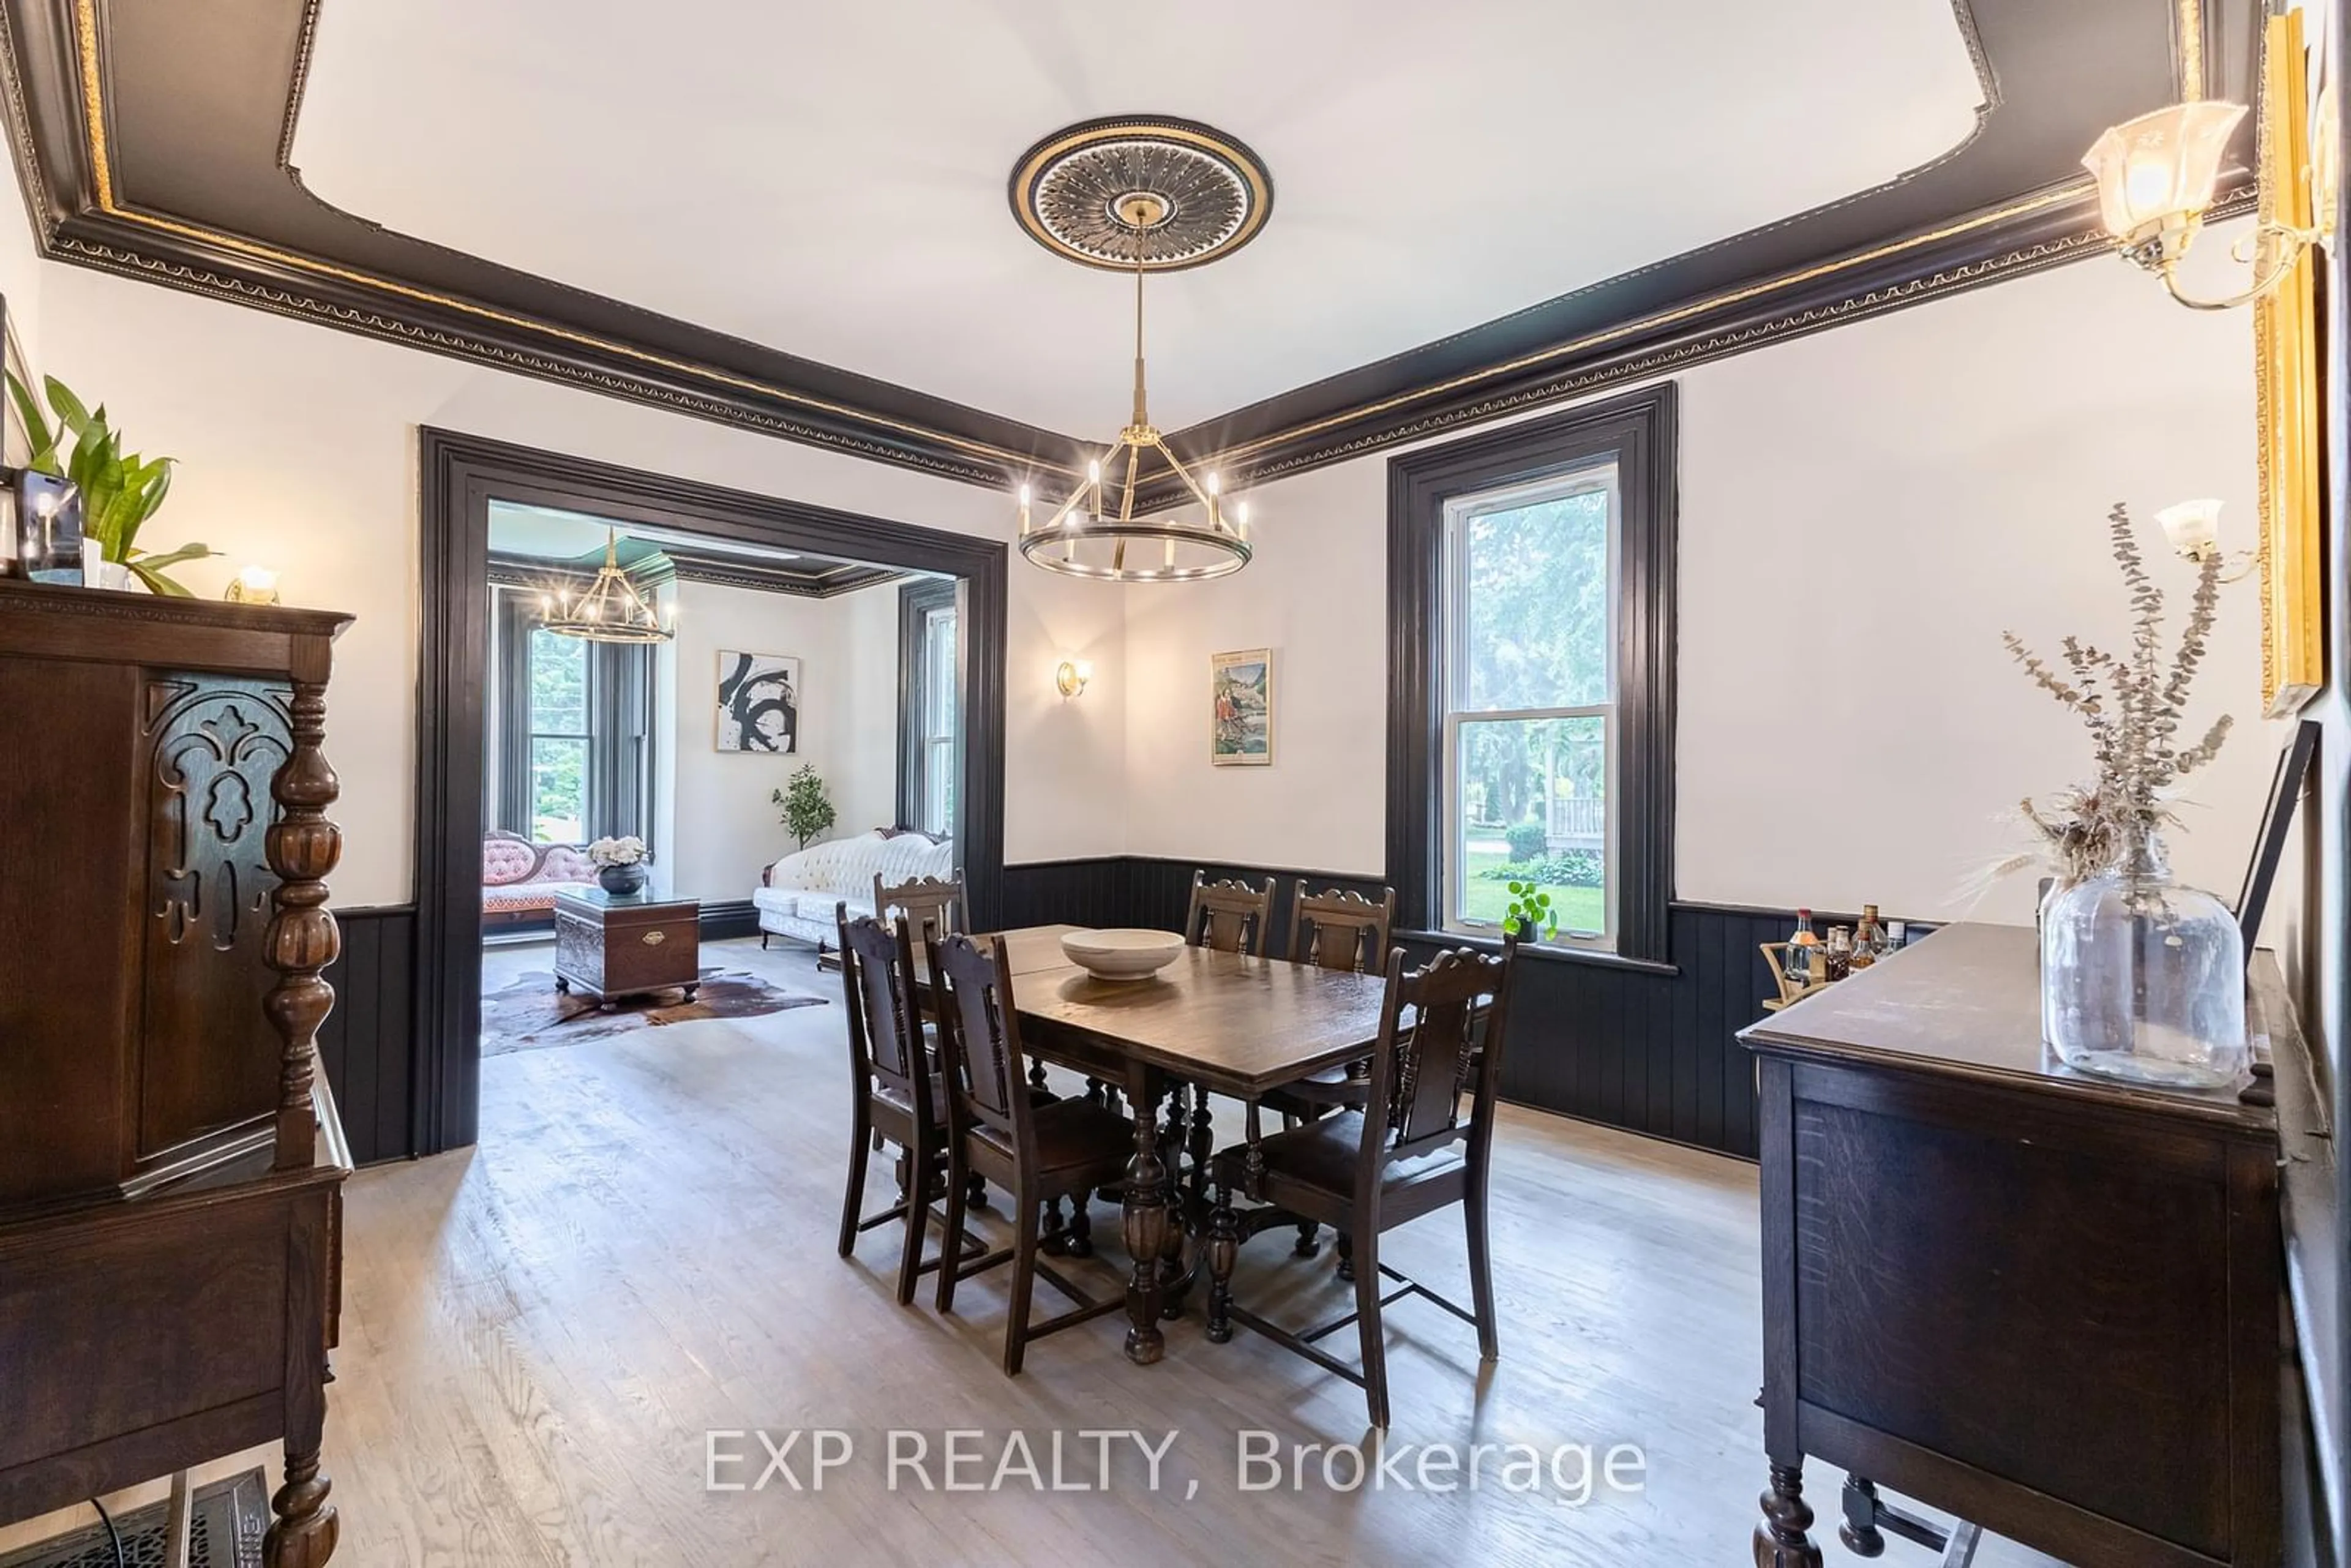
[829,180]
[550,533]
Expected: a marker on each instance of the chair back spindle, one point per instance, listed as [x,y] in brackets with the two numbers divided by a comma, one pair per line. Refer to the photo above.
[1229,916]
[1342,931]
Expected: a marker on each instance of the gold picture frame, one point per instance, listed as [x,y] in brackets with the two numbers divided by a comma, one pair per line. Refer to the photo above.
[1241,708]
[2289,423]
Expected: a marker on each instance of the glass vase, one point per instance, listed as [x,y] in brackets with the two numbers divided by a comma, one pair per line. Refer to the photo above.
[2144,979]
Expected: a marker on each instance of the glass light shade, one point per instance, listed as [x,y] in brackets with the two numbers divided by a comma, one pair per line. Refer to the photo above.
[2194,528]
[2157,172]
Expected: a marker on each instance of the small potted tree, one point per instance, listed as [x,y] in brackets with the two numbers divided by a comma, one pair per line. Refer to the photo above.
[807,809]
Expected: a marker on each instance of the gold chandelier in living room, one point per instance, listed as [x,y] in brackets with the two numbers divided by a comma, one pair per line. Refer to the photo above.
[610,610]
[1147,195]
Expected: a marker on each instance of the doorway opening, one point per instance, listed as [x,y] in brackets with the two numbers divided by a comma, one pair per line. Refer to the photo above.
[807,664]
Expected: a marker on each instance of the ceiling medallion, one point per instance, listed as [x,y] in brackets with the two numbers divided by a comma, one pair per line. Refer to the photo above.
[1143,196]
[1066,189]
[610,610]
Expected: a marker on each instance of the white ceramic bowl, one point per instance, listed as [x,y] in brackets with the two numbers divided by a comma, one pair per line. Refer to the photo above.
[1121,955]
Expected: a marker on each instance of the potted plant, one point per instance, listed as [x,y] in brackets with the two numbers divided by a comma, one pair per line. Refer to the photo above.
[1530,912]
[807,811]
[119,492]
[619,864]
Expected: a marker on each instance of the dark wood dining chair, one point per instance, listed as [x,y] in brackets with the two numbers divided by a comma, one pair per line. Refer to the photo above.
[996,1129]
[932,905]
[897,1095]
[1230,916]
[1349,933]
[1408,1153]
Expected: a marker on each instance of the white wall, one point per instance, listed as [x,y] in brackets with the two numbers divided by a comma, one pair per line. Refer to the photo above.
[721,825]
[297,447]
[1872,504]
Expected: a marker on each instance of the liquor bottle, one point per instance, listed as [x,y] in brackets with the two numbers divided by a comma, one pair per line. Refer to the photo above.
[1836,958]
[1868,938]
[1803,951]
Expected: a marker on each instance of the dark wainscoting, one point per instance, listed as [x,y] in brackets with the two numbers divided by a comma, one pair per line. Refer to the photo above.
[1649,1050]
[368,1044]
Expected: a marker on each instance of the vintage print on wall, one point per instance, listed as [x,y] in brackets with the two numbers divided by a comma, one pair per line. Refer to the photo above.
[2287,394]
[1240,723]
[758,703]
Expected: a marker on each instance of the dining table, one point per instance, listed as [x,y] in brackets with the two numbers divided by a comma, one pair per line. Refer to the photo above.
[1208,1023]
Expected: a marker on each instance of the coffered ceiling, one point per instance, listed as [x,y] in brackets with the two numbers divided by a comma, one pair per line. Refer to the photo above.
[831,179]
[794,217]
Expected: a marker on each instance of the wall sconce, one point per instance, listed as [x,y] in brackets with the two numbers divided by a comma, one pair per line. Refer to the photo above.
[2193,530]
[254,585]
[2155,176]
[1072,676]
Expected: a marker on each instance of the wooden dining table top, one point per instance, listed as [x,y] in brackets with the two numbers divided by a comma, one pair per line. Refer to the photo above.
[1236,1023]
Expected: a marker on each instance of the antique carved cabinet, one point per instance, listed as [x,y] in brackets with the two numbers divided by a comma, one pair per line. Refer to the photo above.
[170,1165]
[2044,1302]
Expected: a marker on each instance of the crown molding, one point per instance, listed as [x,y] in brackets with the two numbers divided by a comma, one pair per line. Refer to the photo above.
[125,171]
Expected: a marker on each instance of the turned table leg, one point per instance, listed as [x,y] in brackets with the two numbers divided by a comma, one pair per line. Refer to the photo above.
[1144,1221]
[1224,1246]
[1780,1539]
[302,1534]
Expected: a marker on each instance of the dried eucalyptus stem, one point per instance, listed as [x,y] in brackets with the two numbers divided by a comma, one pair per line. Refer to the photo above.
[2134,705]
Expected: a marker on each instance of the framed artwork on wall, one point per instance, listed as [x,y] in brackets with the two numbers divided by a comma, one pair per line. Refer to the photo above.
[758,703]
[1240,719]
[2289,428]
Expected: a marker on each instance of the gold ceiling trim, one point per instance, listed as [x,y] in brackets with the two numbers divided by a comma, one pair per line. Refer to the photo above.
[2188,46]
[102,173]
[2055,195]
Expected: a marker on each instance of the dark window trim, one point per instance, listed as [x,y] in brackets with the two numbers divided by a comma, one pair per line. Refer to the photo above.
[621,727]
[461,475]
[1639,432]
[916,602]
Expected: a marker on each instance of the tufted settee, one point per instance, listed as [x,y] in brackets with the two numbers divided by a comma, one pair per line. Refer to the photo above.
[520,879]
[796,895]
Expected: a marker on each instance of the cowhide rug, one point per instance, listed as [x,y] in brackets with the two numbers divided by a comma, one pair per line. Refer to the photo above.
[531,1014]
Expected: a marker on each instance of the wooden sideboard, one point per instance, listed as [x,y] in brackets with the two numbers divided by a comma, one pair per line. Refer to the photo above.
[2044,1302]
[170,1163]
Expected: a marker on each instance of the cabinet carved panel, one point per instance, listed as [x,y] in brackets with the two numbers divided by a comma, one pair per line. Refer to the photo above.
[211,746]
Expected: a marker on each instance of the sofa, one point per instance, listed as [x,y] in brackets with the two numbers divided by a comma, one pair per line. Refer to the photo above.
[520,879]
[796,895]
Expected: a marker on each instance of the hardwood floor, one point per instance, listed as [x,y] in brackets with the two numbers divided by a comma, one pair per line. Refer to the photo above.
[539,1333]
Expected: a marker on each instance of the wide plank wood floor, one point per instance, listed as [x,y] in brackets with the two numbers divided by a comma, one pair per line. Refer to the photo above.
[537,1333]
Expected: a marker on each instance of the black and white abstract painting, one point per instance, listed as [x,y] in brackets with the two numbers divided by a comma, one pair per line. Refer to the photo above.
[758,701]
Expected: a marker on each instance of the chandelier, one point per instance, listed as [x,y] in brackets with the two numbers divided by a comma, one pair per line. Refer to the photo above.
[1149,194]
[610,610]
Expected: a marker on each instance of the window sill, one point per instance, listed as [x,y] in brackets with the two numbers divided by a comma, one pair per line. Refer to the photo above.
[1541,954]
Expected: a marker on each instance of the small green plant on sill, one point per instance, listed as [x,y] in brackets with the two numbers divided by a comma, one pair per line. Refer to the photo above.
[807,810]
[118,493]
[1530,912]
